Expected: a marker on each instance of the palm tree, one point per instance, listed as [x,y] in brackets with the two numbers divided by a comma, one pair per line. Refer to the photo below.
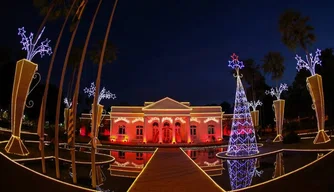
[53,10]
[44,99]
[110,53]
[97,91]
[251,74]
[73,62]
[295,31]
[273,63]
[60,92]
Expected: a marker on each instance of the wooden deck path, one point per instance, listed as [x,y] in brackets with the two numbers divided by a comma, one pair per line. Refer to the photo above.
[170,169]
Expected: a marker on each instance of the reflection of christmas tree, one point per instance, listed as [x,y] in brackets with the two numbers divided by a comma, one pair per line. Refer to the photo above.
[241,172]
[242,138]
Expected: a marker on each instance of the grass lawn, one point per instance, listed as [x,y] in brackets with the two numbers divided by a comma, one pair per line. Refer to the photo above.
[63,153]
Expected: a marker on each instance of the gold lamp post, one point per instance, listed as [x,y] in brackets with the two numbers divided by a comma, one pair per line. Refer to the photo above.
[25,72]
[278,107]
[315,87]
[255,113]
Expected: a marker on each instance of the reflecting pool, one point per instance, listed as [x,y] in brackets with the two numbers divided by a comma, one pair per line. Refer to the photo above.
[238,174]
[116,177]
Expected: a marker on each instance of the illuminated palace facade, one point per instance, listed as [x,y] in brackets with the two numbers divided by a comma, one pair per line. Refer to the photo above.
[166,121]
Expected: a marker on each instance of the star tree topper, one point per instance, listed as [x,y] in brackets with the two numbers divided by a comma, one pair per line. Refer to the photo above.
[29,44]
[277,91]
[236,64]
[311,62]
[104,94]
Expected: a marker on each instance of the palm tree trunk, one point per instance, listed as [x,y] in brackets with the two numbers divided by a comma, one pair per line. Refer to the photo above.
[97,91]
[56,140]
[77,85]
[45,95]
[45,19]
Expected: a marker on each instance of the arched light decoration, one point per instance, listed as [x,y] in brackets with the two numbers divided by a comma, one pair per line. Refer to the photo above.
[195,119]
[180,119]
[167,119]
[211,119]
[121,119]
[153,119]
[67,102]
[277,91]
[310,63]
[104,94]
[211,164]
[138,166]
[122,164]
[254,104]
[138,119]
[29,44]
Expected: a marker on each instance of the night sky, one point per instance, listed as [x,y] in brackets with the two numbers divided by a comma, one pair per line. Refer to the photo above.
[174,48]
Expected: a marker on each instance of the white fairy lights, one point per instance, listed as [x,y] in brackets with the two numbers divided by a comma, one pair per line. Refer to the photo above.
[104,94]
[67,102]
[29,44]
[310,63]
[277,91]
[254,104]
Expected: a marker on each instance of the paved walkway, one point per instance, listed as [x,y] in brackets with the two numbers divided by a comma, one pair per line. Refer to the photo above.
[172,170]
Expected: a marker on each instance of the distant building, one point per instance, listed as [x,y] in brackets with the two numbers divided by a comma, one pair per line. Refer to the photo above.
[164,121]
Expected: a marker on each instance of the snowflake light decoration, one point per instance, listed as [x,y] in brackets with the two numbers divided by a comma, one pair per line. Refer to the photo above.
[241,172]
[242,140]
[310,63]
[254,104]
[277,91]
[104,94]
[67,102]
[29,44]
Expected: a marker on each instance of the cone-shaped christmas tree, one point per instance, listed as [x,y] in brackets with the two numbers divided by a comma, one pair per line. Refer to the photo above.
[242,138]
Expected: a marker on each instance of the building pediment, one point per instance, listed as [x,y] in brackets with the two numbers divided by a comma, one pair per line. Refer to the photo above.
[167,104]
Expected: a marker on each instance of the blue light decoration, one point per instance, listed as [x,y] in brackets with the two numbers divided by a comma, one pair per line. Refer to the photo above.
[277,91]
[29,44]
[104,94]
[311,62]
[241,172]
[242,140]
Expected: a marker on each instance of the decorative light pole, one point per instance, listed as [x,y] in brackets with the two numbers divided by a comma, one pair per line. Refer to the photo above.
[25,72]
[315,87]
[104,94]
[242,140]
[68,105]
[279,165]
[278,107]
[254,112]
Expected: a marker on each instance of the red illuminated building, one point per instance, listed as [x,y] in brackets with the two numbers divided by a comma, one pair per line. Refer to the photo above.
[164,121]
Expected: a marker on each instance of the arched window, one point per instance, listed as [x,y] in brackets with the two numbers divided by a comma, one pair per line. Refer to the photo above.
[177,124]
[121,129]
[166,124]
[155,124]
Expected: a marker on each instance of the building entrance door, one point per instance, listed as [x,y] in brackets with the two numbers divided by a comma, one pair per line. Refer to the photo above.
[167,133]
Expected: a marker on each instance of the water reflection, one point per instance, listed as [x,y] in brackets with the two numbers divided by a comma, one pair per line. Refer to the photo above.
[207,161]
[279,165]
[241,172]
[128,164]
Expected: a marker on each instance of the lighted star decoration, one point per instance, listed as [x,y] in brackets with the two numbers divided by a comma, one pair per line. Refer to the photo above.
[235,63]
[310,63]
[277,91]
[104,94]
[254,104]
[67,102]
[30,45]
